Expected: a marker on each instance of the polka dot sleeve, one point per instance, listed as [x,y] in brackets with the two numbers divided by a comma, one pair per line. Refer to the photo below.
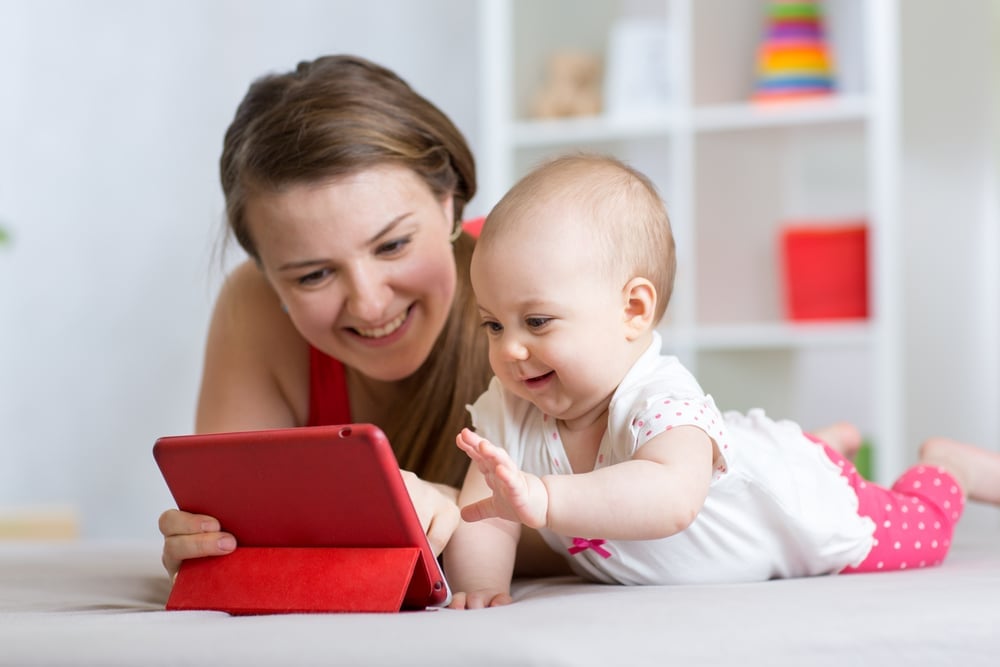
[666,412]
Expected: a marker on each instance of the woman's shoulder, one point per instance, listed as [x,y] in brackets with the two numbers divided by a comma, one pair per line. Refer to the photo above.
[253,348]
[252,306]
[247,288]
[246,299]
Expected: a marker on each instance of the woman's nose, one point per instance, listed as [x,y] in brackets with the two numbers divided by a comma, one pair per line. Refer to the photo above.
[369,294]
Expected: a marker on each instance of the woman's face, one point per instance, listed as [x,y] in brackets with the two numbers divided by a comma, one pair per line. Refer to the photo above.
[363,264]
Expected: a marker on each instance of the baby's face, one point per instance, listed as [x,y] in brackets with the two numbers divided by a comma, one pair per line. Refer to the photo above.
[556,324]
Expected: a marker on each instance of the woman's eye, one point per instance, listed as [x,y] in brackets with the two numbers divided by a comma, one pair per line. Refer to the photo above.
[393,247]
[537,322]
[314,277]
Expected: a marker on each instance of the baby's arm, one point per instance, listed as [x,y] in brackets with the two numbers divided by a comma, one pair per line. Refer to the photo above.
[479,558]
[656,494]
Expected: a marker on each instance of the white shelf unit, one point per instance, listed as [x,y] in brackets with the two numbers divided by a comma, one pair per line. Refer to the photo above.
[731,172]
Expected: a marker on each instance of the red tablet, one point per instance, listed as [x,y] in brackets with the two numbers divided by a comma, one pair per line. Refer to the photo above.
[336,488]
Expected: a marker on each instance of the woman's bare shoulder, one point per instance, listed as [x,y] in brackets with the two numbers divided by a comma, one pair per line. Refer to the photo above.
[256,363]
[246,288]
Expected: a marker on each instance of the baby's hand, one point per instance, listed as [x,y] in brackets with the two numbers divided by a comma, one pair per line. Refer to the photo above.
[517,496]
[480,599]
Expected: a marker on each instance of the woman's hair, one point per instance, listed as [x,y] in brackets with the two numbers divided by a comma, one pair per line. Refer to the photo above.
[336,116]
[331,117]
[454,375]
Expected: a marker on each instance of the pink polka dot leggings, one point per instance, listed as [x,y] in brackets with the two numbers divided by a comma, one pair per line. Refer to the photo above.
[914,520]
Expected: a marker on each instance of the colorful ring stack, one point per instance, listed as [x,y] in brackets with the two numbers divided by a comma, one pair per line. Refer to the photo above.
[793,61]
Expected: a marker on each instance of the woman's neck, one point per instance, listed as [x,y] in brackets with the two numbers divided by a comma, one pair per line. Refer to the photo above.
[371,399]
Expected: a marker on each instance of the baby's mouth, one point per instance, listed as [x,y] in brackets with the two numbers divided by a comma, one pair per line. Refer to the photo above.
[539,379]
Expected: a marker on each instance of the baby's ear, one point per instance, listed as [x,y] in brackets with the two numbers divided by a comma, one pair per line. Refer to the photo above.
[640,307]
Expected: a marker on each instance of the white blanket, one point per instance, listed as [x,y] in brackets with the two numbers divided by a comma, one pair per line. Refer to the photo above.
[102,604]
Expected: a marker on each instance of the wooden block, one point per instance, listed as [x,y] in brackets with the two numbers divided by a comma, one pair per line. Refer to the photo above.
[49,522]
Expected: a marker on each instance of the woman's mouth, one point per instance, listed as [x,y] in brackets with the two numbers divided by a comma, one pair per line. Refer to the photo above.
[384,330]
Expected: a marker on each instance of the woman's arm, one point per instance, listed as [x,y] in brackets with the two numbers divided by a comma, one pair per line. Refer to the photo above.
[255,375]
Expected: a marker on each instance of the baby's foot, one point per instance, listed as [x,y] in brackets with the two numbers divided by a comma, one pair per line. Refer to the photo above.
[842,437]
[977,470]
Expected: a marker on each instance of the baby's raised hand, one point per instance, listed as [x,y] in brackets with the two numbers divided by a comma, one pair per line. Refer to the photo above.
[517,496]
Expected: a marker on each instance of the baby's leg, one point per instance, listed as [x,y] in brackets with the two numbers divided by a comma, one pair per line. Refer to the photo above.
[914,520]
[977,470]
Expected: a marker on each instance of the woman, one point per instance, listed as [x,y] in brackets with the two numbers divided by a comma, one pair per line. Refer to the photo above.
[346,189]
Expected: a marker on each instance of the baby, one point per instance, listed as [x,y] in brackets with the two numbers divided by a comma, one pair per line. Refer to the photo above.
[613,451]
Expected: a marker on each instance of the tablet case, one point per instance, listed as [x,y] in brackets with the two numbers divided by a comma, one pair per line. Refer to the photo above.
[321,516]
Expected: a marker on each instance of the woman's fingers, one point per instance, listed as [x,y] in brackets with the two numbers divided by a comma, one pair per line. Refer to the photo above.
[188,535]
[436,508]
[442,527]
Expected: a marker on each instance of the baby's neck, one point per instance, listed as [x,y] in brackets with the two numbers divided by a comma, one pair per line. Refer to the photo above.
[581,440]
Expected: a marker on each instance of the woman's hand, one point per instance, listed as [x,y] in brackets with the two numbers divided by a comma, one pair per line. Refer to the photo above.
[437,509]
[188,535]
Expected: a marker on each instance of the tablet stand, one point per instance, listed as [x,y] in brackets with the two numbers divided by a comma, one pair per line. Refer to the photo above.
[286,580]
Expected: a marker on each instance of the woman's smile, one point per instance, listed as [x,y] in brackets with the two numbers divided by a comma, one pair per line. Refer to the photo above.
[384,329]
[385,334]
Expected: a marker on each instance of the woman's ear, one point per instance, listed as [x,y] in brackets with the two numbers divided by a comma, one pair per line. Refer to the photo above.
[640,307]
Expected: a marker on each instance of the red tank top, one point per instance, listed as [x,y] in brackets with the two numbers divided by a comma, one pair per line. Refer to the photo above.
[328,399]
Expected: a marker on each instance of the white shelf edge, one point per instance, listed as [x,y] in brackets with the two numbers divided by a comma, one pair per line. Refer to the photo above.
[714,118]
[750,115]
[541,133]
[779,335]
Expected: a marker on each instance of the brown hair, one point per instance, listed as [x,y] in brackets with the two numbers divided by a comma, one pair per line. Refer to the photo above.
[338,115]
[621,209]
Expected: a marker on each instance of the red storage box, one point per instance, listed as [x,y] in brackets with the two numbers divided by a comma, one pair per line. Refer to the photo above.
[825,271]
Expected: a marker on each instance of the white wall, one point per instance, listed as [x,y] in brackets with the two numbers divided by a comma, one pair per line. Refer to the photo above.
[949,219]
[111,121]
[951,224]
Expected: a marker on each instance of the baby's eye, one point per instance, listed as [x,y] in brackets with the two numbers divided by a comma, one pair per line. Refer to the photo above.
[537,322]
[314,277]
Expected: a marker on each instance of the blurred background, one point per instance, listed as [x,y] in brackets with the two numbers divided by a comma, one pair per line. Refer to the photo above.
[111,121]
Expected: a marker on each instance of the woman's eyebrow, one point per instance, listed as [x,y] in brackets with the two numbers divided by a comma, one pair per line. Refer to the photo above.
[304,263]
[392,224]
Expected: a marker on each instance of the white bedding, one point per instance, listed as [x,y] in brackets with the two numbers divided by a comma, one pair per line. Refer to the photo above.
[102,604]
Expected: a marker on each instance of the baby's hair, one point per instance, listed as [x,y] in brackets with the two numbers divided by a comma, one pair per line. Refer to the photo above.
[619,206]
